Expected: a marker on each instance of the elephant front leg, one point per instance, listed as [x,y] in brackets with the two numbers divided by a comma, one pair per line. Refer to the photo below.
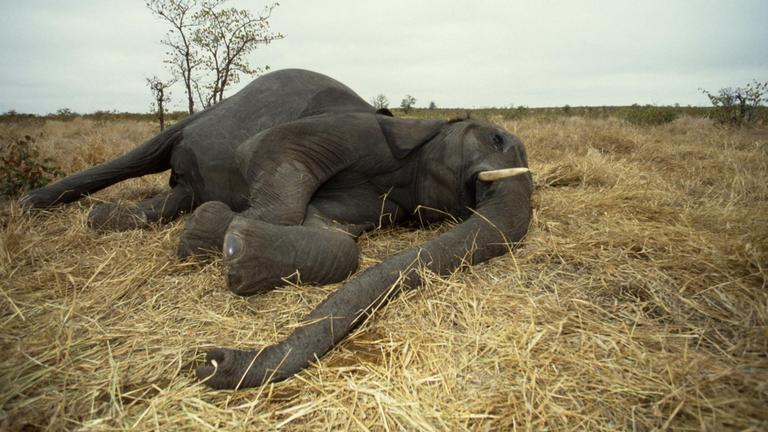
[163,207]
[204,232]
[260,256]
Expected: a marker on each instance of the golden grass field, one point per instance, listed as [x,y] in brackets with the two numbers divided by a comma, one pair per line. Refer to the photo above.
[638,301]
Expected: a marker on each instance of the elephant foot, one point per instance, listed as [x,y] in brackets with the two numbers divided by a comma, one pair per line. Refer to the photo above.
[204,232]
[260,256]
[112,217]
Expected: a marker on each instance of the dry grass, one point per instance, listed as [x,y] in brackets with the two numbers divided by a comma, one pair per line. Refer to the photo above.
[638,302]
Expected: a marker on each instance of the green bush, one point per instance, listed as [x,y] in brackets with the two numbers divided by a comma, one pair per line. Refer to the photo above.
[648,115]
[740,105]
[21,167]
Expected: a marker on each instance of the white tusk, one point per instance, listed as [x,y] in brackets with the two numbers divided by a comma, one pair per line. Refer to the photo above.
[489,176]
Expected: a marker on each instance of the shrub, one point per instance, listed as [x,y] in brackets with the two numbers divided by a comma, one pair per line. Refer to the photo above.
[21,167]
[738,106]
[516,113]
[64,114]
[648,115]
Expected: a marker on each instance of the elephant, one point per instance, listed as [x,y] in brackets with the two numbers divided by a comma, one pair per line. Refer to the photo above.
[283,176]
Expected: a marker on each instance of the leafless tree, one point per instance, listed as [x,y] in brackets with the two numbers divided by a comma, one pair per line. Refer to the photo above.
[380,101]
[159,91]
[182,55]
[204,37]
[226,36]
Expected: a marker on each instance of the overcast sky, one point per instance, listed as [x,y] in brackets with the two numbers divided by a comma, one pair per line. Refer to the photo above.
[89,55]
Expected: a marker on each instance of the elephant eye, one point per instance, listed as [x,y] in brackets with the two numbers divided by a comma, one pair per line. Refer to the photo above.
[498,142]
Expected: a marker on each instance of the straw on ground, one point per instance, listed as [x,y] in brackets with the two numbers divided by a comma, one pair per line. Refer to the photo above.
[638,301]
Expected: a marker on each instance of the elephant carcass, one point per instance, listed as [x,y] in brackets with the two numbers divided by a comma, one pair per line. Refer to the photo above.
[285,174]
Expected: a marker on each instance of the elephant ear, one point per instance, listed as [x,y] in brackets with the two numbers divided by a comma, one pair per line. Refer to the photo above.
[404,136]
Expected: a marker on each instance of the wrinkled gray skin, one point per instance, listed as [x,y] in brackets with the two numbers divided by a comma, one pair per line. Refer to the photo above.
[285,174]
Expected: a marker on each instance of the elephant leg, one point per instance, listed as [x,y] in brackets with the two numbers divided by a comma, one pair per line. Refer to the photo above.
[163,207]
[204,233]
[261,256]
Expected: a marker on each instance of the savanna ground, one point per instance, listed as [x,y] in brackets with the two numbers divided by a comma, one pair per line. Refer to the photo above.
[638,301]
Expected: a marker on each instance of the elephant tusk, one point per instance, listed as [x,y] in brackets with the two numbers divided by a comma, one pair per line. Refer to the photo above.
[489,176]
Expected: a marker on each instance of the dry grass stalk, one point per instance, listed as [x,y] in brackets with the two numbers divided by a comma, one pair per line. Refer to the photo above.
[637,302]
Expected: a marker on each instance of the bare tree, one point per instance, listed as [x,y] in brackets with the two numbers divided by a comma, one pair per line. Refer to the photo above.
[380,101]
[182,56]
[159,91]
[226,36]
[205,36]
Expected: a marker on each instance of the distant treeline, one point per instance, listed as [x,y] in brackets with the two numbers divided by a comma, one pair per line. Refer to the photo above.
[636,114]
[65,115]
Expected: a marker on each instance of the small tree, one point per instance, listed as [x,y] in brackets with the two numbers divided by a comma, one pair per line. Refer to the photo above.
[161,95]
[380,101]
[182,56]
[226,36]
[738,105]
[205,36]
[407,103]
[432,105]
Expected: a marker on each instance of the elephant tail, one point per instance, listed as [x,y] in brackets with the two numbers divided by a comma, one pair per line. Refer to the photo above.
[151,157]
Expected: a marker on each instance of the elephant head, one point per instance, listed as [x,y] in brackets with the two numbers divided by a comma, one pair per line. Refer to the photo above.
[462,169]
[469,169]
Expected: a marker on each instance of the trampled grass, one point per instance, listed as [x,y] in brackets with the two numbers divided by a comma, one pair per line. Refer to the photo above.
[638,302]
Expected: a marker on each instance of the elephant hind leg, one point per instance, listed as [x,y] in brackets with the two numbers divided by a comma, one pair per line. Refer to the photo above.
[151,157]
[261,256]
[163,207]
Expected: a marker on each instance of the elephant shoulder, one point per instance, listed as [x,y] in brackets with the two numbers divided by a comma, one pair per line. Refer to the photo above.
[406,135]
[333,99]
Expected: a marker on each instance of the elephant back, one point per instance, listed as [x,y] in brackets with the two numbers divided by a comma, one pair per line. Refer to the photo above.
[270,100]
[211,137]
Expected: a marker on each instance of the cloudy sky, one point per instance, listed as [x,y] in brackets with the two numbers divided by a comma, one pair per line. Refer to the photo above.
[89,55]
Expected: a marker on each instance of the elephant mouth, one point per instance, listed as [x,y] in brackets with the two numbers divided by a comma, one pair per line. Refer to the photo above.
[485,180]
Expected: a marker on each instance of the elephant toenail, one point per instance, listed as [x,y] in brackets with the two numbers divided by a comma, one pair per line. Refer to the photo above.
[233,246]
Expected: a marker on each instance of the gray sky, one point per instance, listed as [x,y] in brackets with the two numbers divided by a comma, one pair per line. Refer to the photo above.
[89,55]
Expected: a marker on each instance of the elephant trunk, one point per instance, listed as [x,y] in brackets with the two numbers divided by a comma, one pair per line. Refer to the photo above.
[501,218]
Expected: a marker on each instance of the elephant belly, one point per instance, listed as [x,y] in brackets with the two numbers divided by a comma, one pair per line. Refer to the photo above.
[211,176]
[359,205]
